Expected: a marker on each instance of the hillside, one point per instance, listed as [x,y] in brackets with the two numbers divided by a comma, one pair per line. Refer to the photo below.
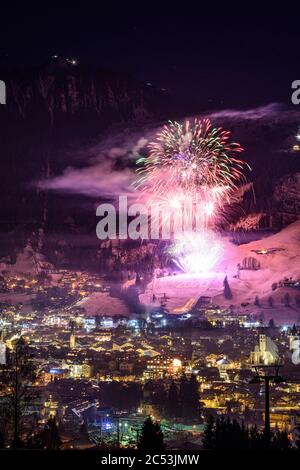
[183,290]
[54,114]
[70,134]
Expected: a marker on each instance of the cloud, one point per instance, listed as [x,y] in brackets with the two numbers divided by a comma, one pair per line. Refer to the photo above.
[109,169]
[267,111]
[93,181]
[109,166]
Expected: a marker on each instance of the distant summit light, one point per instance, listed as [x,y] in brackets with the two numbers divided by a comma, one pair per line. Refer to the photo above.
[64,61]
[72,61]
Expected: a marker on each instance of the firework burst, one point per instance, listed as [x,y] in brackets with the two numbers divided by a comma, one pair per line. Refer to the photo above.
[192,165]
[196,252]
[190,157]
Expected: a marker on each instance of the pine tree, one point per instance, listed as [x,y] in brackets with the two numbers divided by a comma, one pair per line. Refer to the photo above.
[50,437]
[227,290]
[208,438]
[280,441]
[173,400]
[224,434]
[18,375]
[192,398]
[97,321]
[152,438]
[221,433]
[137,280]
[256,439]
[183,392]
[271,323]
[286,300]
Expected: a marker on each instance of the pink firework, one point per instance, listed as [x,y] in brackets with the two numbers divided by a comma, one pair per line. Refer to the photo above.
[190,173]
[196,252]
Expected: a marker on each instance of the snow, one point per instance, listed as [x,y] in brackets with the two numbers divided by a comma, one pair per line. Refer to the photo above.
[183,290]
[28,261]
[99,303]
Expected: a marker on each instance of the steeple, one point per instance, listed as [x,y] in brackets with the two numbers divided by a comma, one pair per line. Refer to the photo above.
[2,349]
[72,338]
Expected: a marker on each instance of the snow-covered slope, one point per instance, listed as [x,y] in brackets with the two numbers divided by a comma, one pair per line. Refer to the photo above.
[183,290]
[29,261]
[102,304]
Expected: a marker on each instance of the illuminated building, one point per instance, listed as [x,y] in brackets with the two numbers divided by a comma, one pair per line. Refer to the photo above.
[126,367]
[56,321]
[103,337]
[266,353]
[223,365]
[148,409]
[226,318]
[2,351]
[160,367]
[294,342]
[106,322]
[49,374]
[72,340]
[80,371]
[176,366]
[89,323]
[50,407]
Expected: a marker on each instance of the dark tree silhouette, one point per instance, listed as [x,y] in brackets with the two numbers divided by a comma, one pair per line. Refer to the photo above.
[271,323]
[50,438]
[151,438]
[18,376]
[188,399]
[226,434]
[192,398]
[5,416]
[208,438]
[280,441]
[286,300]
[250,263]
[256,438]
[227,290]
[173,400]
[117,395]
[183,393]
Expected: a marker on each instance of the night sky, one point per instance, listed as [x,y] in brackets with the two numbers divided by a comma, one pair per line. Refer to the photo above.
[228,57]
